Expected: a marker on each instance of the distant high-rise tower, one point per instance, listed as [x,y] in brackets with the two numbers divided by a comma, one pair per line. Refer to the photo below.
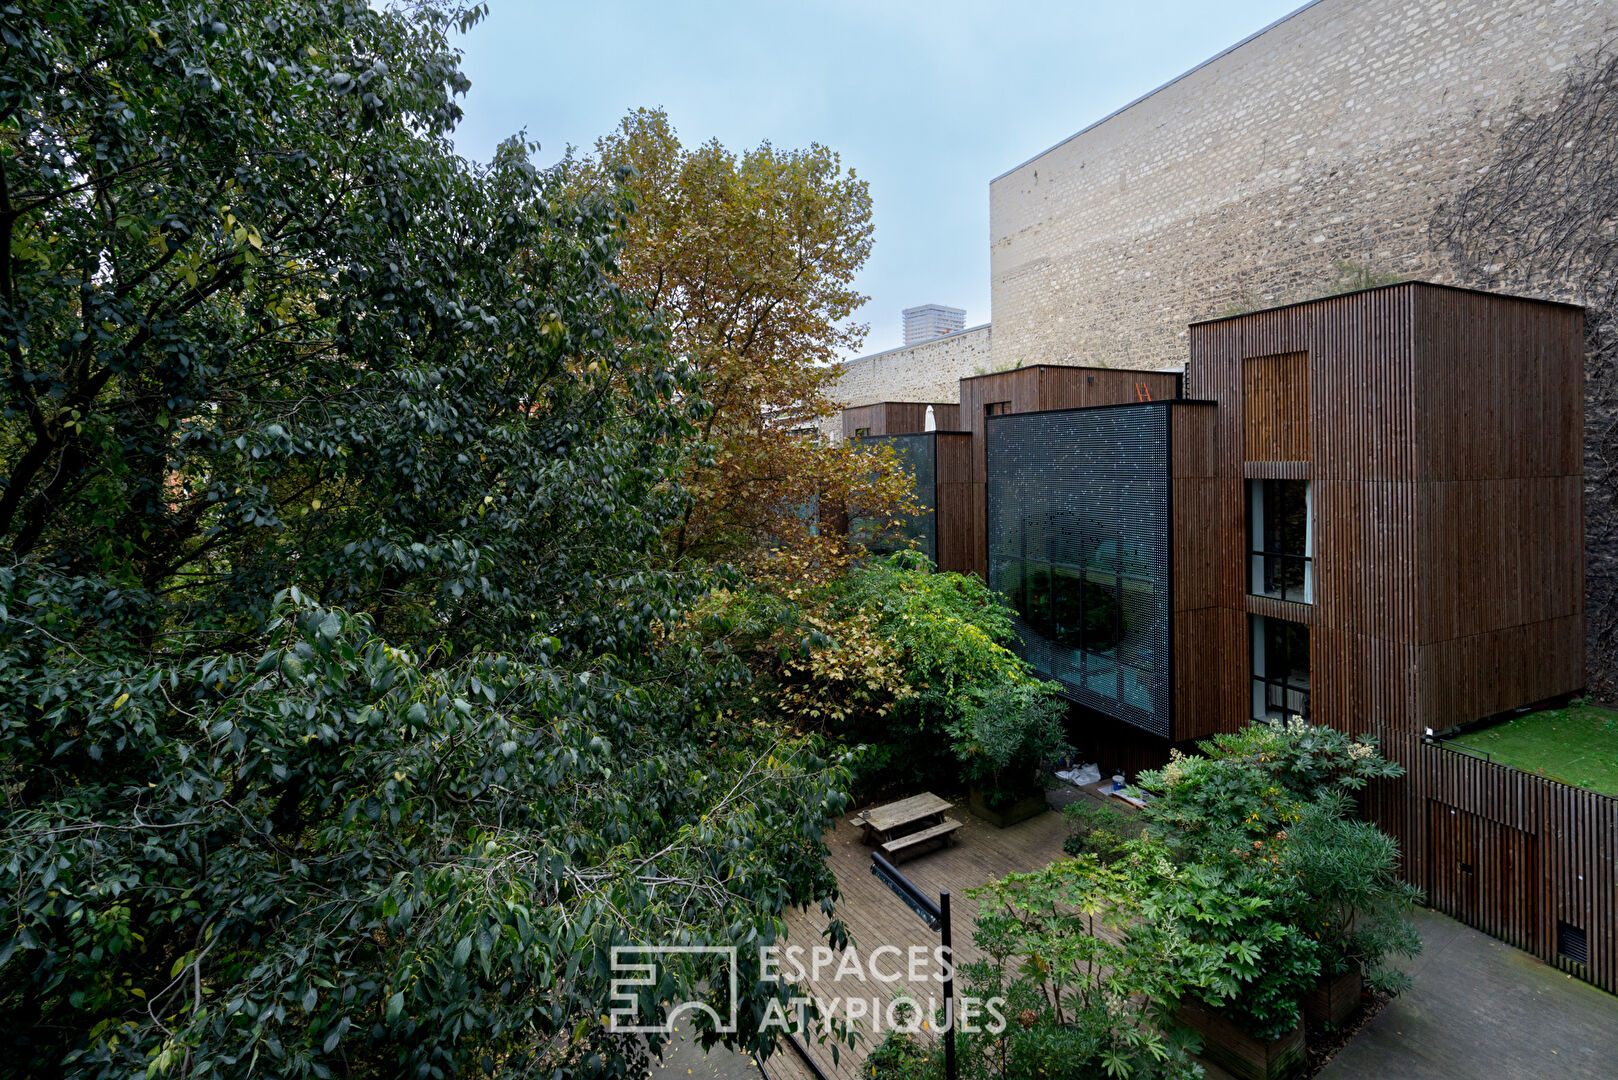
[932,320]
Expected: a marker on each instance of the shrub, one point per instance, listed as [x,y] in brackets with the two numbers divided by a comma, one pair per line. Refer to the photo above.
[1304,759]
[1005,736]
[1098,830]
[1082,1000]
[1346,892]
[1270,810]
[902,1056]
[1228,935]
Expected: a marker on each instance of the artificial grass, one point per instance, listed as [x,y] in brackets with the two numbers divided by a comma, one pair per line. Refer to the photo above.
[1576,745]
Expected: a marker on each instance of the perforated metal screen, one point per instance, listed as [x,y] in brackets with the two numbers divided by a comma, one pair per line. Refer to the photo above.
[1078,541]
[918,454]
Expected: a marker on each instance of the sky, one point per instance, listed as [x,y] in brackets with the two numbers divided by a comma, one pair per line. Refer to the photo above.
[927,102]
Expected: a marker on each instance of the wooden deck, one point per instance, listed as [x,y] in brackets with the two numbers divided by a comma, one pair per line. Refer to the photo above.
[874,916]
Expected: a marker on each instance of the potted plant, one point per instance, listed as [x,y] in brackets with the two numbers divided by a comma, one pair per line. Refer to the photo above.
[1003,737]
[1349,897]
[1244,966]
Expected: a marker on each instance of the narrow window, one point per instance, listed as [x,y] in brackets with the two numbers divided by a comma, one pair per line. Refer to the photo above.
[997,408]
[862,432]
[1280,540]
[1280,669]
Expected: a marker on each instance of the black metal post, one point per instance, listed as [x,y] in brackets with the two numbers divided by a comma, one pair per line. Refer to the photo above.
[936,916]
[949,987]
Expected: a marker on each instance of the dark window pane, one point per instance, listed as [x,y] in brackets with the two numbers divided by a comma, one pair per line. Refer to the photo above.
[1286,516]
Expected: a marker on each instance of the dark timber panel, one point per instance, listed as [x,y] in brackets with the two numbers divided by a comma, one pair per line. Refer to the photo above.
[1276,407]
[899,418]
[1445,459]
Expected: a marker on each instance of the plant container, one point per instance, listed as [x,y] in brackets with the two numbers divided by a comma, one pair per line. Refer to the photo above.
[1011,813]
[1237,1052]
[1335,998]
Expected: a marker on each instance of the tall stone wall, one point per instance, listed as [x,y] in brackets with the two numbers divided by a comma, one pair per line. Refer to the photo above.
[1326,140]
[929,371]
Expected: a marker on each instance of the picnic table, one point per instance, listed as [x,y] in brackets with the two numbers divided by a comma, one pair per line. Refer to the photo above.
[907,823]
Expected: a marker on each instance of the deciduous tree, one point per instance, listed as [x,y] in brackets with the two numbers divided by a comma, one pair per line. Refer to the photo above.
[340,727]
[751,258]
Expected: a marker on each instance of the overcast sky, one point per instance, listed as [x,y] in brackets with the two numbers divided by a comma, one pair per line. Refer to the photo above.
[926,101]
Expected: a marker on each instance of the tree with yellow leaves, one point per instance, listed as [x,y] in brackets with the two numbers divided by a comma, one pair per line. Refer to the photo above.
[751,259]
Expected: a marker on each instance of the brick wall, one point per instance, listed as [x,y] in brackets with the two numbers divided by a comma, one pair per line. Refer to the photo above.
[1328,138]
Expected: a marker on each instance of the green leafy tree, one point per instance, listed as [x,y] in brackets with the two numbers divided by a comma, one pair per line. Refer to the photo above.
[1006,737]
[342,730]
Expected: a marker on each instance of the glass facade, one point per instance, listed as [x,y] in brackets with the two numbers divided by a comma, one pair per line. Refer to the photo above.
[1078,542]
[1280,669]
[918,453]
[1280,540]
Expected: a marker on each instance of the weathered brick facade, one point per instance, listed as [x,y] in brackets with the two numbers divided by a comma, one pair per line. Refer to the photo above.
[1328,138]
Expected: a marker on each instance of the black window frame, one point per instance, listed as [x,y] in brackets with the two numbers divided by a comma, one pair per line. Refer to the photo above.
[1261,624]
[1258,549]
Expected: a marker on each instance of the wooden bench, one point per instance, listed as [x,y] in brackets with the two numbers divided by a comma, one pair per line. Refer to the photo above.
[883,823]
[938,832]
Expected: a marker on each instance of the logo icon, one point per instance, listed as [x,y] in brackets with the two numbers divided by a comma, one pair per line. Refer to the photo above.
[637,966]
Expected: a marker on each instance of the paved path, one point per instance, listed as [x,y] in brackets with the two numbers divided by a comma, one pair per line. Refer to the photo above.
[1481,1008]
[685,1060]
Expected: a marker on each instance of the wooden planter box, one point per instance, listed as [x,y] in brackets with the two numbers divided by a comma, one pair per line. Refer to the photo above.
[1021,810]
[1237,1052]
[1335,1000]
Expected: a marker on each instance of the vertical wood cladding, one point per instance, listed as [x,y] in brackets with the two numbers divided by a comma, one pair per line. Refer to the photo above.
[1537,854]
[1209,640]
[1275,407]
[899,418]
[1444,431]
[1444,452]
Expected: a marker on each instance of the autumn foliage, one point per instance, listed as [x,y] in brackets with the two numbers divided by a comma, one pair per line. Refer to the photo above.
[751,260]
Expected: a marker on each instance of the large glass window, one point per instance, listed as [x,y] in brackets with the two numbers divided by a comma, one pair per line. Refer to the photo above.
[1077,516]
[1280,669]
[1280,540]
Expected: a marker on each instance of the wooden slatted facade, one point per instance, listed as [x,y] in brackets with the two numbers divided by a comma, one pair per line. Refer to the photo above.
[1441,433]
[899,418]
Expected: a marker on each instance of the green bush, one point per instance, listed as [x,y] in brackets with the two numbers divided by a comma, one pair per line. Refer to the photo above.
[1346,892]
[1098,830]
[903,1056]
[1081,999]
[1269,810]
[1005,736]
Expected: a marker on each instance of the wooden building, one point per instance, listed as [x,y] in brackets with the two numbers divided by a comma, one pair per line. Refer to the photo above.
[1437,434]
[899,418]
[1365,510]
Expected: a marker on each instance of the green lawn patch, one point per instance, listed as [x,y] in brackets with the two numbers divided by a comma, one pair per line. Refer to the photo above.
[1577,745]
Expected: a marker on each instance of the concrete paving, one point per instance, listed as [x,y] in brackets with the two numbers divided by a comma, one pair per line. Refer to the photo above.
[684,1060]
[1480,1008]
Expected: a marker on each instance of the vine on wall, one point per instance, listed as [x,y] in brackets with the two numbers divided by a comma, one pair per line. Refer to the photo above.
[1542,219]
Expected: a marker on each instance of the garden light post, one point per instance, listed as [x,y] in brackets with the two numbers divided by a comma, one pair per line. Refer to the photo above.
[936,916]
